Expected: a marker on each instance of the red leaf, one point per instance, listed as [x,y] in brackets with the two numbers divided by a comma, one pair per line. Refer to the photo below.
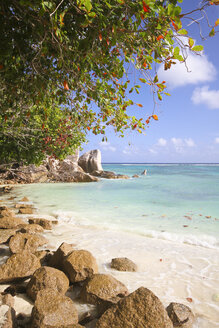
[159,37]
[139,105]
[189,299]
[65,84]
[107,41]
[1,66]
[174,25]
[100,37]
[146,8]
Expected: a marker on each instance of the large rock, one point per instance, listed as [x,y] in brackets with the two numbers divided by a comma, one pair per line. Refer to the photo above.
[80,265]
[181,315]
[101,288]
[91,161]
[141,309]
[32,174]
[19,266]
[53,310]
[58,257]
[68,171]
[26,242]
[123,264]
[10,222]
[5,234]
[112,175]
[47,278]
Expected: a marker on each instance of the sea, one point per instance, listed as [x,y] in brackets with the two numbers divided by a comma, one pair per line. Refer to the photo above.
[177,202]
[166,221]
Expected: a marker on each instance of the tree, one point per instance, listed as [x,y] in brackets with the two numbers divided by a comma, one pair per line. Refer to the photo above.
[60,57]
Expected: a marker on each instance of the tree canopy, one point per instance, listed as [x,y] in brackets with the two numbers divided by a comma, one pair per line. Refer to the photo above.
[64,68]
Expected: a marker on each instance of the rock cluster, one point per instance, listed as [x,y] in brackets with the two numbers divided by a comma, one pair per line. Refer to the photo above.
[86,168]
[63,271]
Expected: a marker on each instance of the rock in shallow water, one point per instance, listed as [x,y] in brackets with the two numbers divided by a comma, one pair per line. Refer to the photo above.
[180,315]
[123,264]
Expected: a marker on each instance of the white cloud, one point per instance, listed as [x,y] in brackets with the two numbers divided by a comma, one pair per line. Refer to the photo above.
[189,142]
[152,151]
[216,140]
[200,70]
[107,146]
[205,96]
[181,144]
[162,142]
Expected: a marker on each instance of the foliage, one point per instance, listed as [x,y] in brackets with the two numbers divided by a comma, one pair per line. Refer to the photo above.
[60,59]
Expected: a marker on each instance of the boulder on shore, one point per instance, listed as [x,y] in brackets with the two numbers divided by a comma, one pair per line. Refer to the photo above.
[140,309]
[80,265]
[91,161]
[26,242]
[5,235]
[47,278]
[57,259]
[181,315]
[103,290]
[53,310]
[123,264]
[19,266]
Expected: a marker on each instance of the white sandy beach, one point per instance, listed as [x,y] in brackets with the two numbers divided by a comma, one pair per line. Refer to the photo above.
[173,271]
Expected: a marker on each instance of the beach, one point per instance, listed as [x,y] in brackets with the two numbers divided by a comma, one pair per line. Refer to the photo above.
[176,266]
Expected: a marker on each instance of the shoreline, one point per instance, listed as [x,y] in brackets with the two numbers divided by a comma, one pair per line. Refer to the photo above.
[172,271]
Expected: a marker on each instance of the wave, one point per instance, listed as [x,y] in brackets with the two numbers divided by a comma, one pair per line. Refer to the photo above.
[206,241]
[202,240]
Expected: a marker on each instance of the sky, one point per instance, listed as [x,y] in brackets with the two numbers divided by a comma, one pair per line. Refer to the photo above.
[188,127]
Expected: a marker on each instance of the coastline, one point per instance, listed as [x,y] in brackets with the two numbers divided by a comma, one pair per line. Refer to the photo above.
[174,272]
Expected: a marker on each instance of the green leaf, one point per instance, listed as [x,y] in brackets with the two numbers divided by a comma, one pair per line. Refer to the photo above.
[212,33]
[198,48]
[182,32]
[191,42]
[88,5]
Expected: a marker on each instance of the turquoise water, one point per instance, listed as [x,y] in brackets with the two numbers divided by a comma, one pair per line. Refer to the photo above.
[171,202]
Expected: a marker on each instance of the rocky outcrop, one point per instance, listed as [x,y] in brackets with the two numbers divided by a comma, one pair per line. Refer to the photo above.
[109,175]
[46,224]
[91,161]
[31,228]
[103,288]
[140,309]
[80,265]
[53,310]
[47,278]
[123,264]
[31,174]
[144,172]
[5,235]
[10,222]
[19,266]
[181,315]
[26,242]
[25,210]
[6,212]
[58,257]
[68,171]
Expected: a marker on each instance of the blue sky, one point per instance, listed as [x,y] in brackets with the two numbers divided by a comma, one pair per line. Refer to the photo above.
[188,126]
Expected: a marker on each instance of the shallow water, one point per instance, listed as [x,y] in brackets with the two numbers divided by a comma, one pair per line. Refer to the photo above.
[173,202]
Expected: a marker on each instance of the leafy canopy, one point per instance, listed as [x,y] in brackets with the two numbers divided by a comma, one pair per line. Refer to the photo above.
[60,59]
